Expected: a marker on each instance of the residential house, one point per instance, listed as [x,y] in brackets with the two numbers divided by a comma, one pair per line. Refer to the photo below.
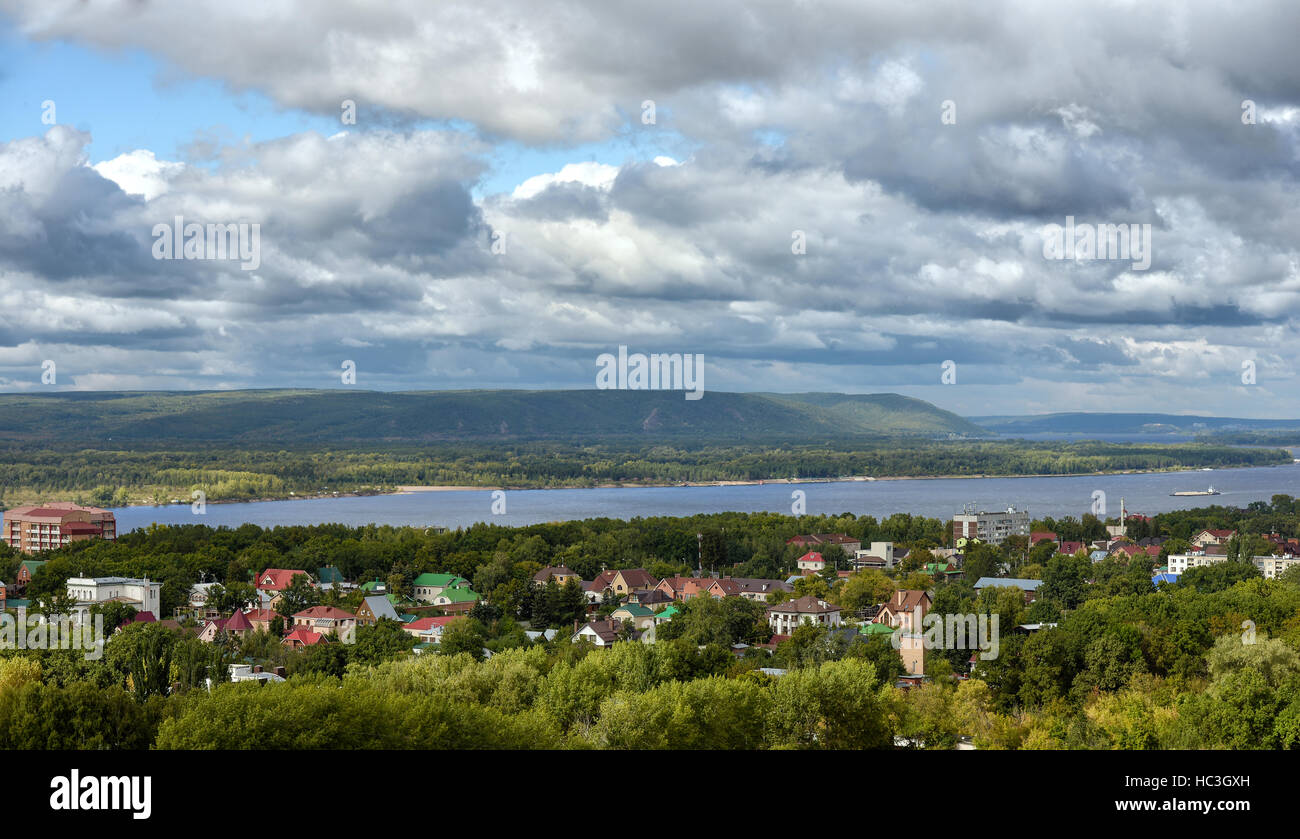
[625,580]
[900,610]
[1029,587]
[683,588]
[641,617]
[373,608]
[879,555]
[302,637]
[1041,536]
[650,598]
[811,563]
[560,573]
[601,633]
[26,570]
[783,618]
[144,595]
[849,545]
[1212,537]
[237,625]
[754,588]
[261,619]
[429,630]
[275,580]
[326,620]
[457,598]
[427,587]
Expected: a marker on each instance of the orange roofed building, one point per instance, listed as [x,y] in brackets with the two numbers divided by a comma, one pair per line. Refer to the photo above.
[55,524]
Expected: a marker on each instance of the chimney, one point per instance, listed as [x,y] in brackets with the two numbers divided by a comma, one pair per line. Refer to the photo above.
[279,671]
[576,626]
[257,668]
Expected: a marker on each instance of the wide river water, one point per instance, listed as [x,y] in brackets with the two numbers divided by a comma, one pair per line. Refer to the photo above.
[937,498]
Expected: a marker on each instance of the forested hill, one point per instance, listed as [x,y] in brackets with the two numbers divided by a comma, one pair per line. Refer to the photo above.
[339,416]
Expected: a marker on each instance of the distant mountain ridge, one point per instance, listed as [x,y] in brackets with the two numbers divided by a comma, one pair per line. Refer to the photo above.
[255,417]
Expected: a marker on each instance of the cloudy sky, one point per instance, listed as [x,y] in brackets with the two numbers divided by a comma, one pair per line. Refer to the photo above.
[651,169]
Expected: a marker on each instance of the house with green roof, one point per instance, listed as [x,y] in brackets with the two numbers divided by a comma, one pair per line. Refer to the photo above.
[460,597]
[876,629]
[427,586]
[27,569]
[666,615]
[329,576]
[641,617]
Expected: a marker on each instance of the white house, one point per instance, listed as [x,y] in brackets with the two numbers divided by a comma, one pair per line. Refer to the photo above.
[783,618]
[144,595]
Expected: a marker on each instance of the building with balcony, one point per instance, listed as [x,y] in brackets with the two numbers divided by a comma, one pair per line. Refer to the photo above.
[55,524]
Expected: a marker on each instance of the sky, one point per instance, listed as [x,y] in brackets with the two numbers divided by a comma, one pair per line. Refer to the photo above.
[843,196]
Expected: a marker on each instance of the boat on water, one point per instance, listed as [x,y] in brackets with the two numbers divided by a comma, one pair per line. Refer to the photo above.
[1186,492]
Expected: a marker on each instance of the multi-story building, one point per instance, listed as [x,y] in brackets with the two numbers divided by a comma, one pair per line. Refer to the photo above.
[55,524]
[145,595]
[1270,566]
[784,618]
[992,528]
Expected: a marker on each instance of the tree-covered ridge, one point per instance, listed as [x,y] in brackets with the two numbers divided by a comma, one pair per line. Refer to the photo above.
[328,417]
[29,474]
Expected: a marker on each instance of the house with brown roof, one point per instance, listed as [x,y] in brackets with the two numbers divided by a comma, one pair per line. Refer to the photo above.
[624,581]
[1212,537]
[850,545]
[683,588]
[1041,536]
[261,619]
[755,588]
[900,610]
[237,625]
[325,620]
[560,573]
[784,618]
[600,633]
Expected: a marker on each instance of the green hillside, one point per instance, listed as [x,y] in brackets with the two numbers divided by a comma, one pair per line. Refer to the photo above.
[338,416]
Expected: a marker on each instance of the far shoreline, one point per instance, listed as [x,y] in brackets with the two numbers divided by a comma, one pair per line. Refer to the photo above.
[420,488]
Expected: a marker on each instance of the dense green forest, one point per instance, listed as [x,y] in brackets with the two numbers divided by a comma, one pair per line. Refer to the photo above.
[119,477]
[329,418]
[1210,662]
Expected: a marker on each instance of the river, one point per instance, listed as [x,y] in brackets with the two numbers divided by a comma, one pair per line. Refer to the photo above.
[940,498]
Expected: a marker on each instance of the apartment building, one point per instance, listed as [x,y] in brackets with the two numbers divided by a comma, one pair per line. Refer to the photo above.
[55,524]
[1271,567]
[991,528]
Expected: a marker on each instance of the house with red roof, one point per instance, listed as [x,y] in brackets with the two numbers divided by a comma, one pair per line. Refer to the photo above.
[302,637]
[1070,548]
[811,562]
[428,630]
[276,580]
[237,624]
[1041,536]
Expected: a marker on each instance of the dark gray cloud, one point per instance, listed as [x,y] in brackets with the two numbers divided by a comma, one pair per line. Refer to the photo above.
[924,240]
